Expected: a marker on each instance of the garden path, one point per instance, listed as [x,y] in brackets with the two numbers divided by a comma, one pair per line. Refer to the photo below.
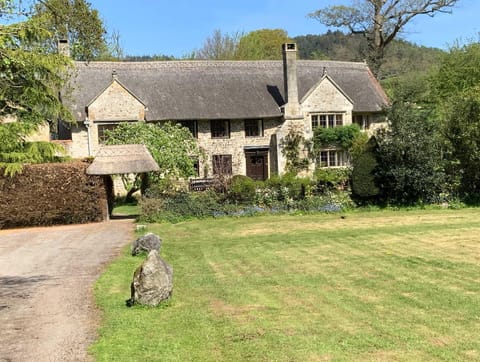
[47,311]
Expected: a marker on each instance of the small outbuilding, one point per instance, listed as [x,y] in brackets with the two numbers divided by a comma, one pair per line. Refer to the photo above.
[118,160]
[122,159]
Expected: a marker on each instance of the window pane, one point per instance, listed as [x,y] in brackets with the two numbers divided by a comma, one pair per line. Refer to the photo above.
[102,137]
[327,120]
[332,158]
[222,164]
[220,128]
[331,120]
[323,121]
[253,128]
[339,120]
[323,159]
[192,127]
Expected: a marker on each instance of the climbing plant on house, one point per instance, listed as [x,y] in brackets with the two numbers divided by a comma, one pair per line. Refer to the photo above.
[341,137]
[292,145]
[338,138]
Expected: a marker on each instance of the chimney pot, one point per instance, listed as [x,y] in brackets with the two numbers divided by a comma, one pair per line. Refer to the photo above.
[63,47]
[292,105]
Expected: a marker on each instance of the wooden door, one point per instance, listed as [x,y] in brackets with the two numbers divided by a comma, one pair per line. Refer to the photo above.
[257,165]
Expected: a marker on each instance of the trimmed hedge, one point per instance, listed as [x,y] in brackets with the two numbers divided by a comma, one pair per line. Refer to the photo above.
[53,193]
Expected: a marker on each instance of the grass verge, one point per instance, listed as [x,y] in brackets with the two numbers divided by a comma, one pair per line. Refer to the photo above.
[384,285]
[126,210]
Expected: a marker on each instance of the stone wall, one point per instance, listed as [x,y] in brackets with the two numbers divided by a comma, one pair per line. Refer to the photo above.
[116,103]
[235,144]
[326,98]
[79,147]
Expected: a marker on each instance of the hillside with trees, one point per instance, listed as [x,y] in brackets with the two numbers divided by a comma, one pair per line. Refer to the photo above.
[400,57]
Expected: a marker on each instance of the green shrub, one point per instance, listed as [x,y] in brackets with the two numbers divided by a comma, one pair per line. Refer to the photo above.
[289,186]
[333,201]
[363,179]
[180,206]
[241,189]
[331,178]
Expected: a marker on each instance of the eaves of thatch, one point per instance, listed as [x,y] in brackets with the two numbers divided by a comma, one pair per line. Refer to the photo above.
[182,90]
[122,159]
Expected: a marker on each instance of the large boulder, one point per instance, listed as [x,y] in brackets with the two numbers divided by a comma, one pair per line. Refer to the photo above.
[146,243]
[152,281]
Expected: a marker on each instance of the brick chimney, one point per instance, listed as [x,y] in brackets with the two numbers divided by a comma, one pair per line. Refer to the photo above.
[291,108]
[63,47]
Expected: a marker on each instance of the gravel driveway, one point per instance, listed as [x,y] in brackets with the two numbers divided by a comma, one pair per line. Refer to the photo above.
[47,311]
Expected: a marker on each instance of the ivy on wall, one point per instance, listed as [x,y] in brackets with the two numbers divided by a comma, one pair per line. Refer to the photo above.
[342,137]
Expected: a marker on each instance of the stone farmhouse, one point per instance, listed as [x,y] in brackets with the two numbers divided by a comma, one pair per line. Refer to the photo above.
[239,111]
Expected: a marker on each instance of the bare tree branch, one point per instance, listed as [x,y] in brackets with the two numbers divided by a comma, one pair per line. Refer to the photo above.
[379,20]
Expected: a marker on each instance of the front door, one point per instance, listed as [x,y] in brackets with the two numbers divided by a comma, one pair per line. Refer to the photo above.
[257,165]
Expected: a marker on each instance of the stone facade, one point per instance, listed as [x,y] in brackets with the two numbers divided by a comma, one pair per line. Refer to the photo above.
[239,112]
[116,104]
[325,98]
[235,145]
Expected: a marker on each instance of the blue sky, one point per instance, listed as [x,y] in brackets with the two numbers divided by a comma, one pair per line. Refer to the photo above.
[176,27]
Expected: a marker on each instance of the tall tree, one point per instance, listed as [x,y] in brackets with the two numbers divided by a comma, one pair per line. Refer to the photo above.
[75,21]
[457,91]
[264,44]
[218,46]
[462,131]
[30,80]
[409,156]
[459,71]
[380,21]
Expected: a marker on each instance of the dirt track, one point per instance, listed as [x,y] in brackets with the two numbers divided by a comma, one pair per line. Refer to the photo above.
[46,277]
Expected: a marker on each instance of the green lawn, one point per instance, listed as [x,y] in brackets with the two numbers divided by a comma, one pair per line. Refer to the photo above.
[373,286]
[126,210]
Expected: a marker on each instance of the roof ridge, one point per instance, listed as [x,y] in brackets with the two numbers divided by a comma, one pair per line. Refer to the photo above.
[212,63]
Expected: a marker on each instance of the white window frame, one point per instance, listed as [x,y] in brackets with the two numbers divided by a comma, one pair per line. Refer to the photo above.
[333,158]
[327,119]
[259,124]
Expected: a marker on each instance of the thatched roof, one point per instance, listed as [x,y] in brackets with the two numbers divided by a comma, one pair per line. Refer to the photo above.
[182,90]
[122,159]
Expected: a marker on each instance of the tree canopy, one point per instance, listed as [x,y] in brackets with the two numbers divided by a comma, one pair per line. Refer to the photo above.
[410,165]
[264,44]
[30,81]
[75,21]
[380,21]
[172,146]
[456,88]
[218,46]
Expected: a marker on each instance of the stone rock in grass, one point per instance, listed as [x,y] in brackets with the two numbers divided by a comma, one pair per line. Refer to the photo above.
[152,281]
[146,243]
